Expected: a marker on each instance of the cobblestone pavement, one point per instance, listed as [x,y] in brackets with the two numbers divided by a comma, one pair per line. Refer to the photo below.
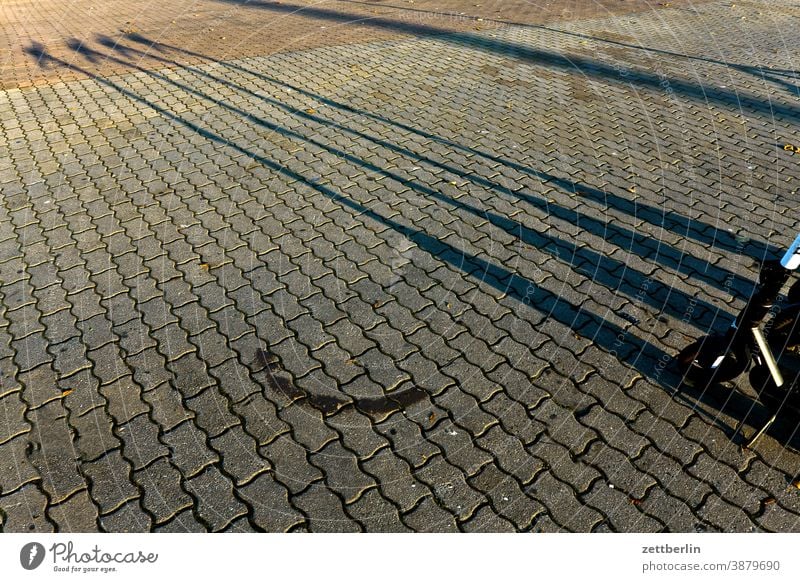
[425,283]
[211,30]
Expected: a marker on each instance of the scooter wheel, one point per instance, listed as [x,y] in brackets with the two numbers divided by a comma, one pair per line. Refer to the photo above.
[710,360]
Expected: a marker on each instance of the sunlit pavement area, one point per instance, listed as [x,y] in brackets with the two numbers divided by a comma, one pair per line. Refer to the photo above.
[349,266]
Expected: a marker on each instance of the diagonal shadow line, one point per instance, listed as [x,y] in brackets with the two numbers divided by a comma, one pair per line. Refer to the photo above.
[612,273]
[660,217]
[772,75]
[587,67]
[436,13]
[756,71]
[629,240]
[614,340]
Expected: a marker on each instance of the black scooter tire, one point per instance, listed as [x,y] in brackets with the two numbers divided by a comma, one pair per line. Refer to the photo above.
[695,362]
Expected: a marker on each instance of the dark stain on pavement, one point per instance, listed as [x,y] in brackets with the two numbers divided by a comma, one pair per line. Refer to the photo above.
[280,383]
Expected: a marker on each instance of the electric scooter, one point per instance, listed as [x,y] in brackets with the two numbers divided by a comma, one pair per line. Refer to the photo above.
[722,358]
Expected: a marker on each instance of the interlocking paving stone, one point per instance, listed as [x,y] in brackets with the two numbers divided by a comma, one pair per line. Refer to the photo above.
[672,477]
[110,483]
[676,515]
[94,433]
[466,411]
[714,439]
[51,452]
[487,520]
[581,474]
[506,496]
[357,433]
[241,525]
[727,485]
[290,460]
[450,488]
[514,418]
[25,511]
[666,437]
[459,447]
[124,400]
[562,504]
[545,524]
[211,410]
[324,510]
[724,516]
[342,472]
[376,513]
[407,440]
[563,427]
[429,517]
[141,445]
[510,454]
[188,449]
[309,427]
[205,304]
[166,407]
[396,480]
[775,483]
[216,503]
[619,508]
[163,496]
[774,518]
[238,452]
[39,387]
[618,470]
[260,416]
[184,522]
[270,504]
[76,514]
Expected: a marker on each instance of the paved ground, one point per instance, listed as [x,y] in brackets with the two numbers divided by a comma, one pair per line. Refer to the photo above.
[212,30]
[428,282]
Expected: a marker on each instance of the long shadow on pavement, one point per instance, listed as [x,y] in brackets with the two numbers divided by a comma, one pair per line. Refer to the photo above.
[496,276]
[701,232]
[611,273]
[640,355]
[630,240]
[777,76]
[536,56]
